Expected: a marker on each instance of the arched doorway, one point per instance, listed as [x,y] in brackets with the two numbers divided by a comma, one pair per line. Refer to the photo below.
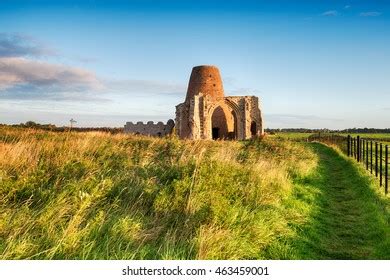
[253,128]
[223,123]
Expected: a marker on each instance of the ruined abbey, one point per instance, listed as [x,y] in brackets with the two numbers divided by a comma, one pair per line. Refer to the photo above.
[207,113]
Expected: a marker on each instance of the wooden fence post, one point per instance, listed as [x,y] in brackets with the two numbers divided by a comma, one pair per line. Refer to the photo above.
[371,155]
[358,148]
[380,165]
[376,159]
[366,155]
[386,168]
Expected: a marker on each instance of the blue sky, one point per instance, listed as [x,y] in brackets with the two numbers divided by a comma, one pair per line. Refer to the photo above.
[315,64]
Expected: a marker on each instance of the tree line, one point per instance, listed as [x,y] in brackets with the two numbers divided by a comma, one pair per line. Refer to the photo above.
[52,127]
[347,130]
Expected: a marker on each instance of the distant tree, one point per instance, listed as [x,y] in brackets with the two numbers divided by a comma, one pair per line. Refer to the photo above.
[31,124]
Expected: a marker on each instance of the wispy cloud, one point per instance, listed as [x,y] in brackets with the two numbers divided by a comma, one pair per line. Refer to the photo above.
[142,87]
[82,59]
[229,81]
[243,91]
[331,13]
[22,45]
[26,79]
[17,45]
[25,75]
[347,7]
[30,93]
[298,118]
[370,14]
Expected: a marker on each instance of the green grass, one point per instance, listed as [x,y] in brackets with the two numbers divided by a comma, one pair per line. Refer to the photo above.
[350,216]
[292,135]
[101,196]
[369,135]
[381,137]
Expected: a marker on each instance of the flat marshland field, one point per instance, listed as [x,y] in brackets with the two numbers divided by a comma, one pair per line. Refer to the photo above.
[378,137]
[93,195]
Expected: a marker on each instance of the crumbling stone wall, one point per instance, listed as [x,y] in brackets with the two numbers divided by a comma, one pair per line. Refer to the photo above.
[150,128]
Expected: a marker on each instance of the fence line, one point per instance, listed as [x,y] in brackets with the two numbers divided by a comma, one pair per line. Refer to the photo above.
[362,150]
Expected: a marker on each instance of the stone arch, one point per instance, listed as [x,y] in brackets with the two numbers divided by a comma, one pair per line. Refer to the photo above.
[223,121]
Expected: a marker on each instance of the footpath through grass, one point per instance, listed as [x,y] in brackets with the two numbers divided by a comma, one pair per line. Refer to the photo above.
[349,217]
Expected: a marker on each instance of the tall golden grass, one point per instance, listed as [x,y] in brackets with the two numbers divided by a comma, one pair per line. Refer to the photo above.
[95,195]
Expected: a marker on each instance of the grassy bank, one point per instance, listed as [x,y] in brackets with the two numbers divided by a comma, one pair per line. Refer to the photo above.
[100,196]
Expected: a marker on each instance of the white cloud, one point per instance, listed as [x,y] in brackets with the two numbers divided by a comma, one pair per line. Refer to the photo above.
[331,13]
[23,77]
[294,117]
[35,75]
[347,7]
[132,86]
[16,45]
[370,14]
[26,79]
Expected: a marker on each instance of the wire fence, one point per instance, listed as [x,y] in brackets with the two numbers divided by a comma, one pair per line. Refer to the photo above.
[372,154]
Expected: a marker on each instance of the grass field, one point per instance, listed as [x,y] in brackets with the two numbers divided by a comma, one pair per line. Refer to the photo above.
[380,137]
[369,135]
[383,138]
[100,196]
[291,135]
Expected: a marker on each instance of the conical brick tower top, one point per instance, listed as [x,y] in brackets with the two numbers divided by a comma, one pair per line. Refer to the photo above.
[207,80]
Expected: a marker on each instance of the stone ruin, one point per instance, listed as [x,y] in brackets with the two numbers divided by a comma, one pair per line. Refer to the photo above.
[150,128]
[207,113]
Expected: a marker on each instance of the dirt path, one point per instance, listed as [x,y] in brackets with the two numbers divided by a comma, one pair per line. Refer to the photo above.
[349,221]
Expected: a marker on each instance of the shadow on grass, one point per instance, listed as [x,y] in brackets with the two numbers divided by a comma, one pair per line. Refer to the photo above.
[349,219]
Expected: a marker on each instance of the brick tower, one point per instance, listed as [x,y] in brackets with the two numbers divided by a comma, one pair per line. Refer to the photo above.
[207,114]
